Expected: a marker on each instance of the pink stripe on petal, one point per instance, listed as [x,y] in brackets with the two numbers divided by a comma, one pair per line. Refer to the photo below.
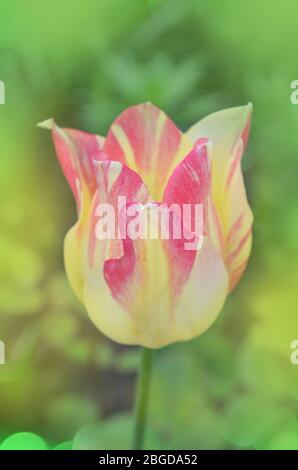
[246,131]
[148,142]
[237,250]
[234,164]
[115,181]
[228,131]
[123,276]
[139,278]
[77,151]
[234,229]
[190,183]
[113,148]
[236,274]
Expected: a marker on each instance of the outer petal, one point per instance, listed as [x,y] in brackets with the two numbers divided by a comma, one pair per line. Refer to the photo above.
[160,292]
[114,181]
[147,141]
[190,183]
[228,132]
[106,312]
[84,255]
[77,151]
[202,274]
[203,295]
[155,319]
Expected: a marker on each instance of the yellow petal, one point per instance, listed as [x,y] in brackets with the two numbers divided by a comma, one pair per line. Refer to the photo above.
[228,132]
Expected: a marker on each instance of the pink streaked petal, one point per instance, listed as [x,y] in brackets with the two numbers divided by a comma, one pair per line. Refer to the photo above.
[224,129]
[139,280]
[140,283]
[204,294]
[153,322]
[228,131]
[238,227]
[235,162]
[236,274]
[124,275]
[115,181]
[148,142]
[84,253]
[190,183]
[77,151]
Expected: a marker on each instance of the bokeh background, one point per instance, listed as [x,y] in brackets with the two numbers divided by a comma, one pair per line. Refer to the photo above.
[83,63]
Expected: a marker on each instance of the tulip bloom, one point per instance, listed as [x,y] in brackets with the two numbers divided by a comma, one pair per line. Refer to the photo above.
[155,292]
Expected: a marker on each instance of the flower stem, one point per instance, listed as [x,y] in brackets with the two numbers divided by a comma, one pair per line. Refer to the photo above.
[142,395]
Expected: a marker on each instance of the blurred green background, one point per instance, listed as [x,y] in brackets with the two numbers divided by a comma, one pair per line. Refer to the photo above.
[83,63]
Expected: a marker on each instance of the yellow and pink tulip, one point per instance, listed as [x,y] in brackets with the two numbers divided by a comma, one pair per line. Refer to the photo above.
[154,292]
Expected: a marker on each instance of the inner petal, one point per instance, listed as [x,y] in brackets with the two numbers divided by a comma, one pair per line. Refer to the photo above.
[148,142]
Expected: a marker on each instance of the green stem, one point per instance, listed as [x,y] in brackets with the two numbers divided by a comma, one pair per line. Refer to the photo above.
[142,398]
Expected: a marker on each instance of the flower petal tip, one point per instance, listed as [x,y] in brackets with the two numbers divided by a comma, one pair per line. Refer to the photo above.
[203,144]
[249,107]
[47,124]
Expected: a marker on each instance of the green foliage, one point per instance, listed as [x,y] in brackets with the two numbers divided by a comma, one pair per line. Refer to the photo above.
[23,441]
[116,433]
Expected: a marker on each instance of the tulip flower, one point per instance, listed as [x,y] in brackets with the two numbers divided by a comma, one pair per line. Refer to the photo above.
[155,292]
